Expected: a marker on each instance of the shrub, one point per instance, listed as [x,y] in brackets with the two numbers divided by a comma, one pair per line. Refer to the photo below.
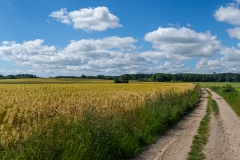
[228,88]
[116,80]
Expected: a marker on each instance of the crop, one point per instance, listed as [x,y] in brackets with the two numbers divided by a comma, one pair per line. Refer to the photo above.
[31,108]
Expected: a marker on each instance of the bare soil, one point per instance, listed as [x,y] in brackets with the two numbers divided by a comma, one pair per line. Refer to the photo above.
[175,144]
[224,140]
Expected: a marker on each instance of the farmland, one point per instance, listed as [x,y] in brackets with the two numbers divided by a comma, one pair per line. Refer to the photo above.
[210,84]
[46,119]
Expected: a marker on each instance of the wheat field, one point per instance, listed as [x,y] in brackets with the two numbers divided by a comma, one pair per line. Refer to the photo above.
[25,107]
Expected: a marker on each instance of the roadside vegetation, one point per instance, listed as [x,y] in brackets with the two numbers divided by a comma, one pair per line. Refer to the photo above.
[58,128]
[230,94]
[213,104]
[201,139]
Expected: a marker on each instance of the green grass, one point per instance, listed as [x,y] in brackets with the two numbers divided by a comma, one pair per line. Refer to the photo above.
[201,139]
[214,105]
[121,136]
[236,85]
[232,98]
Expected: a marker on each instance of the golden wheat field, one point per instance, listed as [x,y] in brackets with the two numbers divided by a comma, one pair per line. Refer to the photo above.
[23,107]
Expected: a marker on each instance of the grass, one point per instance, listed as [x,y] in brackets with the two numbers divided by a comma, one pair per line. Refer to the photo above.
[201,139]
[214,105]
[232,98]
[220,84]
[120,136]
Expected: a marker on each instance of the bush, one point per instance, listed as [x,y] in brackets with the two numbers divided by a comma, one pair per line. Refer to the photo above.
[116,80]
[228,88]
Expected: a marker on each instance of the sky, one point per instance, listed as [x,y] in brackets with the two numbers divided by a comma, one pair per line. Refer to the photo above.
[113,37]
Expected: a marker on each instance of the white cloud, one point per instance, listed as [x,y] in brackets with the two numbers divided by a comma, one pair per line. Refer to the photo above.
[183,42]
[238,45]
[107,55]
[189,25]
[234,32]
[118,55]
[170,67]
[12,50]
[229,14]
[212,65]
[101,44]
[163,55]
[88,19]
[231,54]
[216,65]
[174,25]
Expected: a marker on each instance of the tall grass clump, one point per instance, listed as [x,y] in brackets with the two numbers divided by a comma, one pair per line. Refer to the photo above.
[201,139]
[215,108]
[231,95]
[104,137]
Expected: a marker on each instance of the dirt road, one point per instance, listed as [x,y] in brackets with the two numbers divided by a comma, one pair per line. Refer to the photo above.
[175,144]
[224,140]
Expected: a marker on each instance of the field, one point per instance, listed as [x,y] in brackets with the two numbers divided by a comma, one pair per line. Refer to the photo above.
[210,84]
[53,81]
[30,113]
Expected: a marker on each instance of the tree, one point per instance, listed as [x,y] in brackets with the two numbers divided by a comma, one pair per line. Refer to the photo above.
[125,78]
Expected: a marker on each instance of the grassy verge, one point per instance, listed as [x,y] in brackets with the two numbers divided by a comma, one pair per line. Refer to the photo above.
[214,105]
[93,136]
[201,139]
[232,98]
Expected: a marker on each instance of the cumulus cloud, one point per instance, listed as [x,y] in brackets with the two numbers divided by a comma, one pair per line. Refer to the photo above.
[110,54]
[12,50]
[234,32]
[183,42]
[88,19]
[229,14]
[163,55]
[101,44]
[211,65]
[217,65]
[169,67]
[231,54]
[117,55]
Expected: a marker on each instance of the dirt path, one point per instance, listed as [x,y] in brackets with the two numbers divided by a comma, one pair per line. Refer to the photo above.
[175,144]
[224,140]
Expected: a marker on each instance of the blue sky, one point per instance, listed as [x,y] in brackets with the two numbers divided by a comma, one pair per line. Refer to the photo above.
[112,37]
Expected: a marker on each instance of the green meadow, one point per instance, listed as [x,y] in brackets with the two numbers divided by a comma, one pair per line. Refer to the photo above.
[236,85]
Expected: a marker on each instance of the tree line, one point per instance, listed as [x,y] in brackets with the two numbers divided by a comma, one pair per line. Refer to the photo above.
[192,77]
[167,77]
[11,76]
[156,77]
